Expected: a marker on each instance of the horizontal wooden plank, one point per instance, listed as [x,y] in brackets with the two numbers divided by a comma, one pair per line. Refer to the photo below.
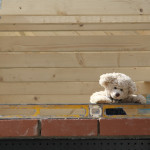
[71,34]
[74,19]
[143,87]
[68,74]
[44,99]
[75,43]
[74,7]
[75,27]
[60,88]
[76,59]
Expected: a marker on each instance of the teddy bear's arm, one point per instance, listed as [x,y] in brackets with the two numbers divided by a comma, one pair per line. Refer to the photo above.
[100,97]
[136,99]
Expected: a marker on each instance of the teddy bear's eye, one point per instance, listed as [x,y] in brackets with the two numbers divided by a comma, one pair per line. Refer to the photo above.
[115,87]
[121,89]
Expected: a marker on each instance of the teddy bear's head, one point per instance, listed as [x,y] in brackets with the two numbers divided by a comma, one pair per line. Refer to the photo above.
[117,85]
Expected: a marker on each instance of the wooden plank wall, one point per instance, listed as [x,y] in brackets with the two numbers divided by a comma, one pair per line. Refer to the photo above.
[54,51]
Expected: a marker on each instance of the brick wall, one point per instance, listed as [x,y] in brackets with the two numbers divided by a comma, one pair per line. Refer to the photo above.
[73,127]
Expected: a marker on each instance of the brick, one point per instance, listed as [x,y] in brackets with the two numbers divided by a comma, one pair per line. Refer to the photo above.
[69,127]
[112,127]
[18,128]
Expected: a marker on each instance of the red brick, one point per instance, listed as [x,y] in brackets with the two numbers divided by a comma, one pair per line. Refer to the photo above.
[69,127]
[112,127]
[18,128]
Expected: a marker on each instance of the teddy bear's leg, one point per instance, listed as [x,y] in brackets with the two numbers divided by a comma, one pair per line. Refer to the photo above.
[100,97]
[137,99]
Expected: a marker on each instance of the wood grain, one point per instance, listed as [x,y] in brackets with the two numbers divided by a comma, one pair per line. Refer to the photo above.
[74,42]
[75,27]
[44,99]
[60,88]
[68,74]
[101,19]
[74,7]
[76,59]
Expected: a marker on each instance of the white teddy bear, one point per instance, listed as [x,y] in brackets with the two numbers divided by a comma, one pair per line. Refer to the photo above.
[119,88]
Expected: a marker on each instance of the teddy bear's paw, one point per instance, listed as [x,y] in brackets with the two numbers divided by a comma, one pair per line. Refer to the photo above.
[96,98]
[141,99]
[104,101]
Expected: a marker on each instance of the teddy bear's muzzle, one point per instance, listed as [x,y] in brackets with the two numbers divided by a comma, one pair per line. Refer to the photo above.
[117,95]
[115,100]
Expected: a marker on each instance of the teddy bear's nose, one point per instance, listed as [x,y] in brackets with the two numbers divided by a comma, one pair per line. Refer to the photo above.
[117,94]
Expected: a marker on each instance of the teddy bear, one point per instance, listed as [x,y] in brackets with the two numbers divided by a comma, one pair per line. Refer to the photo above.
[119,88]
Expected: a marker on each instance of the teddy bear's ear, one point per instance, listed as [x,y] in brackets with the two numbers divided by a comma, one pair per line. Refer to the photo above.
[105,79]
[132,88]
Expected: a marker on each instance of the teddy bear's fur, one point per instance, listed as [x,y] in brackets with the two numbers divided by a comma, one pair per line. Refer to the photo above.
[119,88]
